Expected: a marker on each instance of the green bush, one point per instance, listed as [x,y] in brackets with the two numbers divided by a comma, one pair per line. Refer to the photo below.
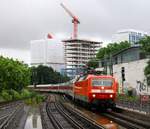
[15,94]
[6,95]
[127,98]
[39,98]
[35,100]
[25,93]
[29,96]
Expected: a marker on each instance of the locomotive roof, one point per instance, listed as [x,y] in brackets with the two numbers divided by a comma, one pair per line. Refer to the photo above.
[103,76]
[92,75]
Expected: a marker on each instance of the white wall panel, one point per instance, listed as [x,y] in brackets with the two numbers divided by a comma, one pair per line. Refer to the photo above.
[134,71]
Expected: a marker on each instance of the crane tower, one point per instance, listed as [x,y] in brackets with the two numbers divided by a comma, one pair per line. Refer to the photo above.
[75,20]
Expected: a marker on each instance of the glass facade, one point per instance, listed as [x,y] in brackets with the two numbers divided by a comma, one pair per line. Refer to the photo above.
[134,37]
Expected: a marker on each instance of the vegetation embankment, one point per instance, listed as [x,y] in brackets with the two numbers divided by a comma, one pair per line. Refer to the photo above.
[15,76]
[28,96]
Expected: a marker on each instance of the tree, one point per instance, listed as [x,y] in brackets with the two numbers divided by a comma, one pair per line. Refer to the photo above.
[46,75]
[93,63]
[147,69]
[145,47]
[111,49]
[13,74]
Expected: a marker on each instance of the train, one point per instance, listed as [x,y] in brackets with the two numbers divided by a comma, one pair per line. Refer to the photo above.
[99,90]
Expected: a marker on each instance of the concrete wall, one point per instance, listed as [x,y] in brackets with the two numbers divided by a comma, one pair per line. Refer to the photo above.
[134,76]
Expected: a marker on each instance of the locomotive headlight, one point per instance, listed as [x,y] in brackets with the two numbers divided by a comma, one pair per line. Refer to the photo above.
[111,96]
[102,88]
[94,95]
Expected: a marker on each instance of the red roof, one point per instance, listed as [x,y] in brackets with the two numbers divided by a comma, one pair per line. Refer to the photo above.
[49,36]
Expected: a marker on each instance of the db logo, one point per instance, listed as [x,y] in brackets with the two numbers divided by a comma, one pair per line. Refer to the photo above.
[144,98]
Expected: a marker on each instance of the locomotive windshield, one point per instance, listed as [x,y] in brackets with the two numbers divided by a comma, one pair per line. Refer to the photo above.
[102,82]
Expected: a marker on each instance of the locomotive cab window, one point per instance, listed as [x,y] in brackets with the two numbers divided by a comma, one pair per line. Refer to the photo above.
[102,82]
[82,78]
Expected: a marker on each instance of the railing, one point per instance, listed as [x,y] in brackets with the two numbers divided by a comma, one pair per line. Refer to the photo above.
[139,104]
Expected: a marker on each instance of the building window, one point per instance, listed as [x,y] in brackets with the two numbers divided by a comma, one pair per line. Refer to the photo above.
[116,60]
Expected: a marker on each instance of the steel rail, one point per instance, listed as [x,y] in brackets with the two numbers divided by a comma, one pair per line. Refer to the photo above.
[75,124]
[46,123]
[58,115]
[128,118]
[54,121]
[127,121]
[10,117]
[91,123]
[83,120]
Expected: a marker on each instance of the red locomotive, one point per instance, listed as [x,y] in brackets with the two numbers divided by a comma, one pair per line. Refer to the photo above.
[89,89]
[98,90]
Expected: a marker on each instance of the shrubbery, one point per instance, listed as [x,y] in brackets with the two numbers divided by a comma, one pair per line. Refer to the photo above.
[126,97]
[6,96]
[29,96]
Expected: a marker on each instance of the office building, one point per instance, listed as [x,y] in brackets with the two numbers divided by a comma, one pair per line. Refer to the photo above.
[49,52]
[130,35]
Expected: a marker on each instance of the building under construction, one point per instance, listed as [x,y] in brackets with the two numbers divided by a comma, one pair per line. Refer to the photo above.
[77,53]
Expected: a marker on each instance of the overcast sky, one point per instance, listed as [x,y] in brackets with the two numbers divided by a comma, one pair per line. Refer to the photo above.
[24,20]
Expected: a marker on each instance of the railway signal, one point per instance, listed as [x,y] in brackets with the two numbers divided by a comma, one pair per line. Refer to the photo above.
[123,77]
[123,73]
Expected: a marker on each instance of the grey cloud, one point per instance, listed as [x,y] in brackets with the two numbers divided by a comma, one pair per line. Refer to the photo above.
[25,20]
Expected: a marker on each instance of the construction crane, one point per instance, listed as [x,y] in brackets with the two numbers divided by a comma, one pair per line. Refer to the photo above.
[75,20]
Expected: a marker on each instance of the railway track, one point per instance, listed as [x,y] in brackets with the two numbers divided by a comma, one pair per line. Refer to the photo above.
[128,120]
[62,117]
[10,115]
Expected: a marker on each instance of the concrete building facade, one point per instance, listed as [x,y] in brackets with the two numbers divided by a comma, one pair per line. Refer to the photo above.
[49,52]
[134,76]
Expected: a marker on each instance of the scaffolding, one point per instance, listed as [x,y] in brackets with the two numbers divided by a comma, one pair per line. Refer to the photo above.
[78,52]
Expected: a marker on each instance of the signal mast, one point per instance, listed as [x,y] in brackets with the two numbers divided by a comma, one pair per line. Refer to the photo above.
[75,20]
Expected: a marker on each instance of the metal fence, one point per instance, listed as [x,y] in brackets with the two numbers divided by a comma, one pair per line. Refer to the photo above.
[140,105]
